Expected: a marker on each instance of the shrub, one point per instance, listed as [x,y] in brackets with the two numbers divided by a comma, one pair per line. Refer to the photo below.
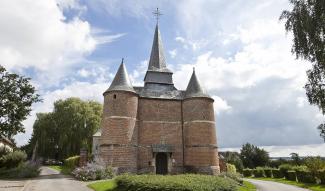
[12,159]
[247,172]
[93,172]
[291,175]
[24,170]
[314,164]
[231,168]
[268,172]
[258,172]
[305,176]
[299,168]
[72,162]
[185,182]
[321,175]
[284,168]
[277,173]
[234,176]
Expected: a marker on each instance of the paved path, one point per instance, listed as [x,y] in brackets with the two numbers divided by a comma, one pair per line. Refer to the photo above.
[12,185]
[273,186]
[52,180]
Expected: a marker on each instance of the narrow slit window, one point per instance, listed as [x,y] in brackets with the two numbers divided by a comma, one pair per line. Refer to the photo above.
[114,96]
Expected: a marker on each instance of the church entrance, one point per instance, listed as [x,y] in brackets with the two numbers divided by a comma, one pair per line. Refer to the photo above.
[161,163]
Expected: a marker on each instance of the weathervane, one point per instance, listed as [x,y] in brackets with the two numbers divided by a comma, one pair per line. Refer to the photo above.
[157,13]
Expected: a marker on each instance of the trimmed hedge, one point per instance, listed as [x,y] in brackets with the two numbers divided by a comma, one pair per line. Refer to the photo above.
[258,172]
[284,168]
[291,175]
[185,182]
[268,172]
[277,173]
[24,170]
[247,172]
[72,162]
[305,176]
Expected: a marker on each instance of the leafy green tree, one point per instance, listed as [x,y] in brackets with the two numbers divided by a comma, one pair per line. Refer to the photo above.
[252,156]
[314,164]
[233,158]
[16,98]
[306,21]
[63,132]
[295,158]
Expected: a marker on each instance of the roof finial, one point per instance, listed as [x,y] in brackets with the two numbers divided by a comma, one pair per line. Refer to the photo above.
[157,13]
[193,69]
[122,61]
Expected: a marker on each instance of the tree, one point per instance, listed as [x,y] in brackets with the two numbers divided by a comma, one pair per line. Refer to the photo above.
[252,156]
[233,158]
[306,21]
[295,158]
[63,132]
[16,98]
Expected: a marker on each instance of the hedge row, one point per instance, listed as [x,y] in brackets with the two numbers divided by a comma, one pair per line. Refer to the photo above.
[299,174]
[72,162]
[185,182]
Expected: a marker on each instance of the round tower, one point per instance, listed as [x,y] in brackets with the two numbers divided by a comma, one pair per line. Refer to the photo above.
[200,142]
[119,133]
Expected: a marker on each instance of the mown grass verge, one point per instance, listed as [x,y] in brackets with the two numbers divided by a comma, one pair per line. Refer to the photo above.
[62,169]
[313,187]
[176,182]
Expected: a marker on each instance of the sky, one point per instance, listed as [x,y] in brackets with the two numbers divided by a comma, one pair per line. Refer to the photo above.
[241,52]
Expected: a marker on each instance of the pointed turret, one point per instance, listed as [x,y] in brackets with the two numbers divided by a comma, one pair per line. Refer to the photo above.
[121,81]
[194,89]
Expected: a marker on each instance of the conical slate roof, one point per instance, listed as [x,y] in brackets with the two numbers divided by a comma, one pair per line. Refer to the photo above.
[157,58]
[194,88]
[121,80]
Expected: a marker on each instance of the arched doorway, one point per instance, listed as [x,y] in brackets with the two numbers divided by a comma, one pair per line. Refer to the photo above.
[161,163]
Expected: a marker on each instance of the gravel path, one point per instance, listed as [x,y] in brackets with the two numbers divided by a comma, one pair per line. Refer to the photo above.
[52,180]
[273,186]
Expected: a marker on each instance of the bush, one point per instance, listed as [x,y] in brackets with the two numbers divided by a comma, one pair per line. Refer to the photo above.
[72,162]
[93,172]
[247,172]
[24,170]
[268,172]
[185,182]
[305,176]
[12,159]
[258,172]
[234,176]
[321,175]
[314,164]
[284,168]
[277,173]
[291,175]
[231,168]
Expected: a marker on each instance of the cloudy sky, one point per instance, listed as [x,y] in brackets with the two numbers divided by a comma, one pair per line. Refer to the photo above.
[239,49]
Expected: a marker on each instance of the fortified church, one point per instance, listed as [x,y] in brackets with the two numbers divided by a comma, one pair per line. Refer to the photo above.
[157,128]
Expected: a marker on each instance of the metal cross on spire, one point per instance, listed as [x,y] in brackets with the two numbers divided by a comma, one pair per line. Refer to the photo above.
[157,13]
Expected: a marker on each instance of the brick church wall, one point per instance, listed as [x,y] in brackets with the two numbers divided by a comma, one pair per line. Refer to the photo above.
[160,121]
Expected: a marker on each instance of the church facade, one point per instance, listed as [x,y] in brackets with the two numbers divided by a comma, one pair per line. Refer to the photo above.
[158,128]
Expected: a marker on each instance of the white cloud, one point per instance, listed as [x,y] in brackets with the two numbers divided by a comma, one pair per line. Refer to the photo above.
[220,105]
[173,53]
[36,34]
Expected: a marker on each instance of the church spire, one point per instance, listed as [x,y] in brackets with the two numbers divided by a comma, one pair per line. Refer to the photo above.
[194,89]
[121,81]
[157,58]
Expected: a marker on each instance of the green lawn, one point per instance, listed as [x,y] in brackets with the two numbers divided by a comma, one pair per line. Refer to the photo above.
[107,185]
[313,187]
[247,187]
[110,185]
[61,169]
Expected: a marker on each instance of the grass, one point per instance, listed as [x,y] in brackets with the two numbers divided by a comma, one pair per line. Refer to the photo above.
[61,169]
[247,187]
[313,187]
[110,185]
